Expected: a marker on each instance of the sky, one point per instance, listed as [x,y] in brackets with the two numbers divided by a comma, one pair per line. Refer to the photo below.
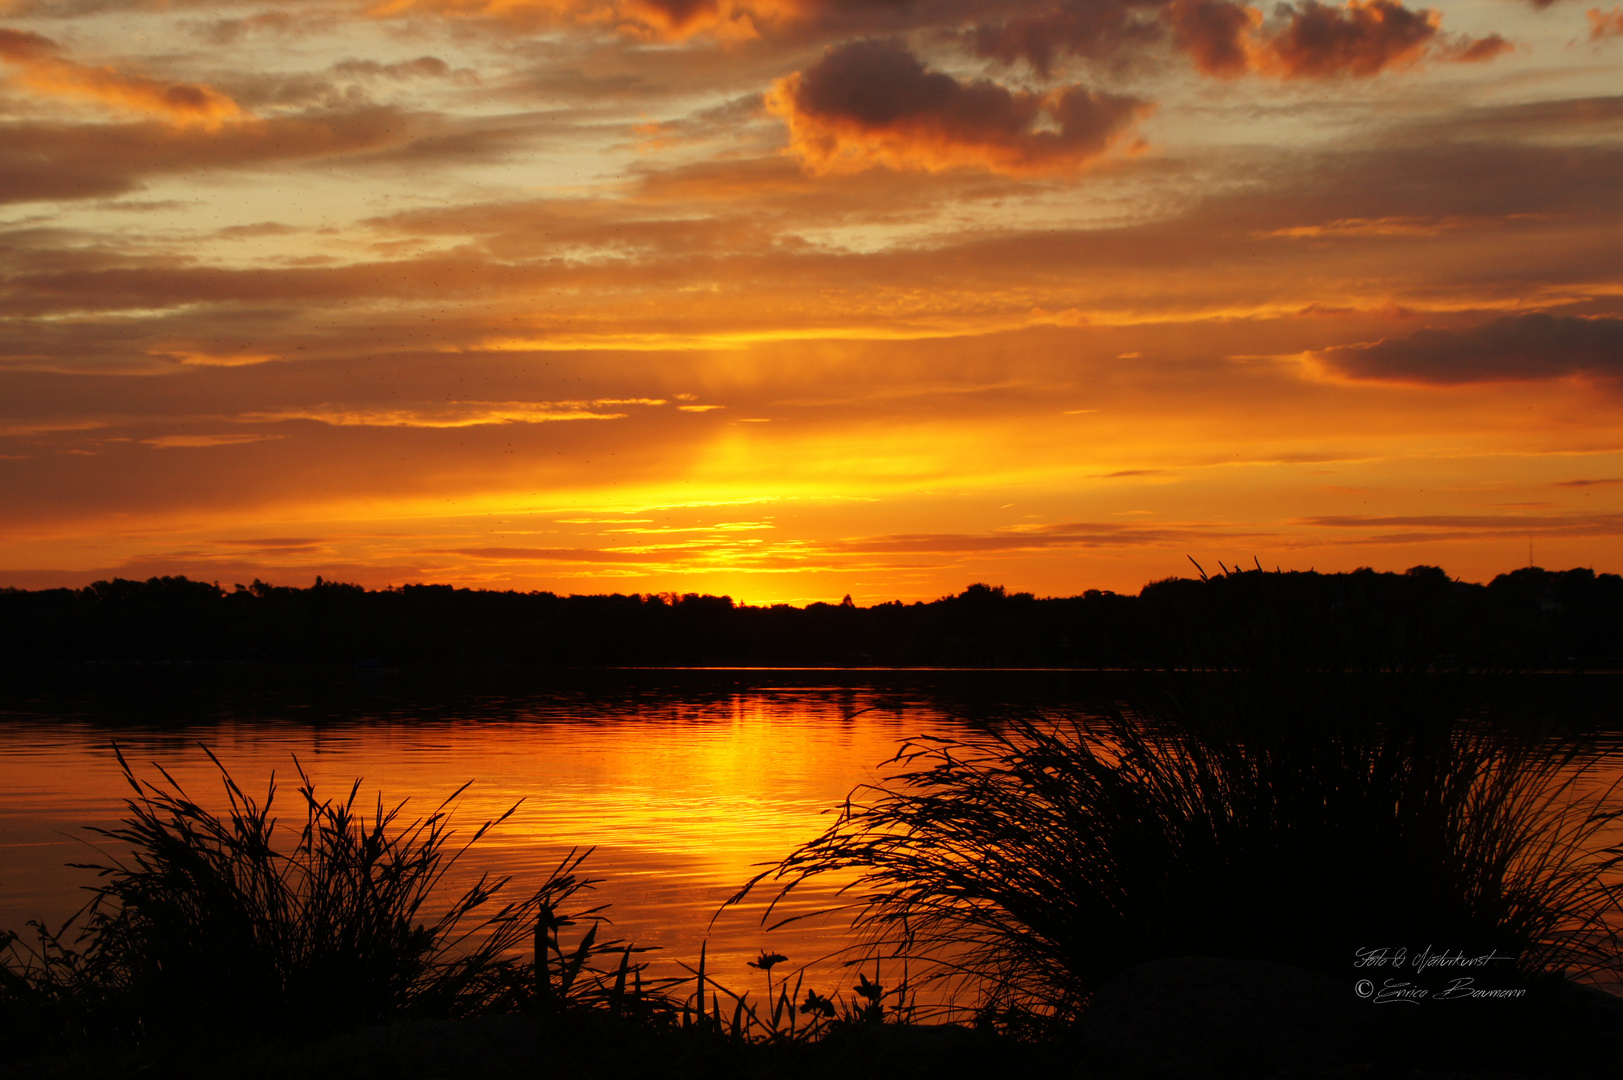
[794,299]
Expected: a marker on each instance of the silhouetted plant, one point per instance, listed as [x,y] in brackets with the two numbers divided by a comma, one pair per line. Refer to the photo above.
[210,927]
[1302,795]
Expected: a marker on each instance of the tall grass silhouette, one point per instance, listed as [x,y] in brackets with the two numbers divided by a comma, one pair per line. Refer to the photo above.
[216,924]
[1298,793]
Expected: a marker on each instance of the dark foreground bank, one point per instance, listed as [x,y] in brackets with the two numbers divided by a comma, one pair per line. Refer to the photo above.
[1569,1034]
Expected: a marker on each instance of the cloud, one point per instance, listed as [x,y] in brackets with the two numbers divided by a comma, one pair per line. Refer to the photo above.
[1225,38]
[1469,50]
[165,442]
[230,31]
[872,102]
[23,47]
[46,427]
[1063,535]
[663,20]
[1580,117]
[1216,35]
[197,358]
[77,161]
[564,555]
[1093,29]
[1605,24]
[462,414]
[1221,37]
[1357,229]
[1363,38]
[40,67]
[1473,526]
[1509,348]
[423,67]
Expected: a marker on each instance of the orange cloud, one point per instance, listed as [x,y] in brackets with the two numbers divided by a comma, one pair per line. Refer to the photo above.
[872,102]
[165,442]
[41,68]
[565,555]
[464,414]
[1605,24]
[666,20]
[1469,50]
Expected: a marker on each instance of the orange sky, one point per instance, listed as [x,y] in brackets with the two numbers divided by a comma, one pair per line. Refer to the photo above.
[797,298]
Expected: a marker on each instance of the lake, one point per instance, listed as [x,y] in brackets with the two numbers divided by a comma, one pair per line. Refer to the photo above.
[684,782]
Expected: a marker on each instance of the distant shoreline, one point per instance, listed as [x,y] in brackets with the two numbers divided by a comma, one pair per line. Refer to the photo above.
[1529,619]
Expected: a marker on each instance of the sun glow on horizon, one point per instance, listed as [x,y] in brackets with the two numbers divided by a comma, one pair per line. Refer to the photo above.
[878,303]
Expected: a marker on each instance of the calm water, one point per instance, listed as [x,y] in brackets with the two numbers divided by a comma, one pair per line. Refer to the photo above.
[684,782]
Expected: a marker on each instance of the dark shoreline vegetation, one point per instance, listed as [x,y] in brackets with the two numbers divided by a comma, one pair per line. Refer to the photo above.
[1529,617]
[1178,885]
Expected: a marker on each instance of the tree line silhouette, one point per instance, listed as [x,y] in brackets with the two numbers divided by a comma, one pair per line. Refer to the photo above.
[1530,616]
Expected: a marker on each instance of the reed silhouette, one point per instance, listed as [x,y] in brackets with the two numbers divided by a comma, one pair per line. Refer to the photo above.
[1309,781]
[216,926]
[226,929]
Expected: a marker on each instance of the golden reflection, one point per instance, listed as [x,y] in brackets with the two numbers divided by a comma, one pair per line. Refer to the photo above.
[684,799]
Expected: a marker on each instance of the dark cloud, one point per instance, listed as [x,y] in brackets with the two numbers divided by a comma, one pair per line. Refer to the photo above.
[424,67]
[165,286]
[1511,347]
[1227,38]
[1089,29]
[22,46]
[1580,117]
[1362,38]
[76,161]
[1214,33]
[872,101]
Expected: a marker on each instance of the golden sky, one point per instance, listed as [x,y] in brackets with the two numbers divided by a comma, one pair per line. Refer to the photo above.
[790,299]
